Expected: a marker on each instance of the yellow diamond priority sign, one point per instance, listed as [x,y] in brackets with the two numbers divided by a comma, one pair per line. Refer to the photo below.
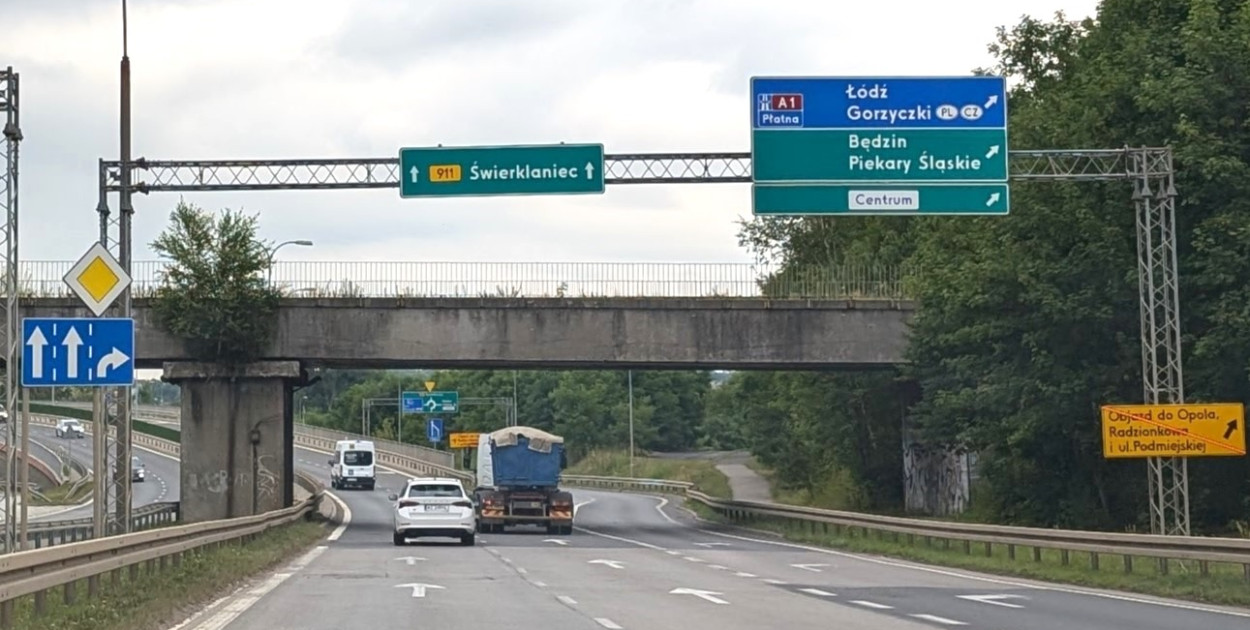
[97,279]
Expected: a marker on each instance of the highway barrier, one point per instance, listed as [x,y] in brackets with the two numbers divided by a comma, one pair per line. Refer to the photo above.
[38,571]
[1096,545]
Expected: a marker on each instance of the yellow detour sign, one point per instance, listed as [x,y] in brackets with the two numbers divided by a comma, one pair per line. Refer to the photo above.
[1197,430]
[463,440]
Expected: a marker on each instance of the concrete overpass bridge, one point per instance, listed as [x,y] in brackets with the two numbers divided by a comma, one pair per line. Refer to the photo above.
[238,423]
[524,315]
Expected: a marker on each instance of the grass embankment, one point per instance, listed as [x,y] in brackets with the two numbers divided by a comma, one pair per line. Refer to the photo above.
[163,598]
[1225,584]
[154,430]
[64,494]
[702,473]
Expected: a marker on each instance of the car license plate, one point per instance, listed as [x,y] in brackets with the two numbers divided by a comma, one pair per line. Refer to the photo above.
[529,504]
[436,508]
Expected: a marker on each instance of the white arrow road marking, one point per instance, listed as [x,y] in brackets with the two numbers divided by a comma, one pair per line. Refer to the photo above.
[994,599]
[410,560]
[36,341]
[707,595]
[809,567]
[418,589]
[615,564]
[556,541]
[72,343]
[713,544]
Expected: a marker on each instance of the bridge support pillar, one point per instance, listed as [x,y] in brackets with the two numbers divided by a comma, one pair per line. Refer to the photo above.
[237,452]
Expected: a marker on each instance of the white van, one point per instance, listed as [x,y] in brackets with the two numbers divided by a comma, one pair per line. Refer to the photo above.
[353,465]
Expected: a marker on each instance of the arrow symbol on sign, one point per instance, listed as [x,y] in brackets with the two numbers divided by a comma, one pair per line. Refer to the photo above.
[111,361]
[992,152]
[410,560]
[418,589]
[989,102]
[994,197]
[71,342]
[809,567]
[708,595]
[590,171]
[556,541]
[615,564]
[415,174]
[994,599]
[1232,428]
[36,342]
[430,404]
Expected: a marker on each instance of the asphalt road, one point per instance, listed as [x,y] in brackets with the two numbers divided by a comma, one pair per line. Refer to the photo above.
[638,562]
[161,484]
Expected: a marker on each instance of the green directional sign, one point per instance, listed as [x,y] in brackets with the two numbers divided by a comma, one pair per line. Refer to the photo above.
[879,199]
[555,169]
[879,145]
[430,402]
[843,155]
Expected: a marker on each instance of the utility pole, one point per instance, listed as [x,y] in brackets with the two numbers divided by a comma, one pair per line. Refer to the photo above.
[631,423]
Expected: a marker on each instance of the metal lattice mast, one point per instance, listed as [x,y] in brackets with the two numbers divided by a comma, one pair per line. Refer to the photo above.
[1149,169]
[1154,200]
[12,332]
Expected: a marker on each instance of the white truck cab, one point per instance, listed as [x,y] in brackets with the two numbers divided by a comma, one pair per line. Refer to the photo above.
[353,465]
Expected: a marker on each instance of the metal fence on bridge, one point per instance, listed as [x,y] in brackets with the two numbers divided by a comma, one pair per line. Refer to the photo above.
[43,278]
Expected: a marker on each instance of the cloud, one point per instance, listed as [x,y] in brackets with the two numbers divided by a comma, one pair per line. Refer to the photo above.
[216,79]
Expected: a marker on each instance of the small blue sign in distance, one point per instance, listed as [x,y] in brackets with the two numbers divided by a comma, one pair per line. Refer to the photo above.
[78,352]
[973,102]
[434,430]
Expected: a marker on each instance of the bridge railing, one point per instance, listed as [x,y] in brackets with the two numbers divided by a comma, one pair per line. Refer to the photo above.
[43,278]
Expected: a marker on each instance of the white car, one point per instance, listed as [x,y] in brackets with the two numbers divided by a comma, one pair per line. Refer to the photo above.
[69,428]
[434,507]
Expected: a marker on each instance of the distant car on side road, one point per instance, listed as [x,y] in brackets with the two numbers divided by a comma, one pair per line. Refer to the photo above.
[69,428]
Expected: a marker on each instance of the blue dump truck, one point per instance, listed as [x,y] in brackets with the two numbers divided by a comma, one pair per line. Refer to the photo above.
[518,478]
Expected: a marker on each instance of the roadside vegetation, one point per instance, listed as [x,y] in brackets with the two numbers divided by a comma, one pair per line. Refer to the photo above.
[160,599]
[700,472]
[69,493]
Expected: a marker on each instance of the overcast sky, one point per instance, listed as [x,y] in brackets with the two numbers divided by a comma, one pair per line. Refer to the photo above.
[359,78]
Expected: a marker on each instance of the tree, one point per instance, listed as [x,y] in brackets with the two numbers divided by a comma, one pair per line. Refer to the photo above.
[213,293]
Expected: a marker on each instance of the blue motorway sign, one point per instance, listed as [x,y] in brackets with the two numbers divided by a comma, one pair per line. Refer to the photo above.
[434,430]
[429,402]
[879,145]
[81,352]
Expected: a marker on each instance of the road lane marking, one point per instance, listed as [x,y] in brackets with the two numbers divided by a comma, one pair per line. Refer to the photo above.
[816,591]
[745,574]
[240,605]
[994,599]
[608,623]
[566,600]
[978,578]
[347,517]
[873,605]
[936,619]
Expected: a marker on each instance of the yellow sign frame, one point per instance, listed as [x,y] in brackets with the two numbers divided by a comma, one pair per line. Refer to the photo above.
[462,439]
[1184,430]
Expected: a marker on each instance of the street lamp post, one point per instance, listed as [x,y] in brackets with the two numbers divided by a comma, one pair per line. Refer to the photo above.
[273,252]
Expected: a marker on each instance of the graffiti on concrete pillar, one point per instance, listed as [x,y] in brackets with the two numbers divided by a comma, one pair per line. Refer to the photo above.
[937,478]
[217,482]
[266,480]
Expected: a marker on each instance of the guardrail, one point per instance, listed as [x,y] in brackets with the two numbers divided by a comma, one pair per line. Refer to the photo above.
[37,571]
[1202,550]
